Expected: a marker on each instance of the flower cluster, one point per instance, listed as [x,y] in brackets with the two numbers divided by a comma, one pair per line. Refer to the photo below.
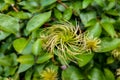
[49,74]
[66,41]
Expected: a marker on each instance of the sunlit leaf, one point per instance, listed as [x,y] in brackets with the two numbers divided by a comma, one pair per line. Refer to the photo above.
[67,14]
[96,74]
[22,44]
[26,59]
[94,31]
[108,44]
[37,21]
[74,74]
[86,17]
[37,47]
[86,3]
[47,2]
[3,35]
[108,74]
[109,28]
[9,24]
[24,67]
[44,58]
[83,59]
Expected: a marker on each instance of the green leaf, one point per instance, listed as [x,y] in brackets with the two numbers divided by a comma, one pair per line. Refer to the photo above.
[84,58]
[44,58]
[86,17]
[100,2]
[20,14]
[108,44]
[3,6]
[96,74]
[24,67]
[113,12]
[76,6]
[9,24]
[109,28]
[72,73]
[108,74]
[22,44]
[28,74]
[28,48]
[67,14]
[86,3]
[110,60]
[57,14]
[47,2]
[1,70]
[37,47]
[12,70]
[26,59]
[37,21]
[3,35]
[5,61]
[61,8]
[94,31]
[91,22]
[110,5]
[9,1]
[39,68]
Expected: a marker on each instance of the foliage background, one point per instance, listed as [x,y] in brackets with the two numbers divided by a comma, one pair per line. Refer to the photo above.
[22,20]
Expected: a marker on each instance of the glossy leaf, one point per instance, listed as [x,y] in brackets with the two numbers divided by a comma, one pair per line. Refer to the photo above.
[110,60]
[108,44]
[9,24]
[111,4]
[3,35]
[96,74]
[86,17]
[44,58]
[37,47]
[24,67]
[94,31]
[61,8]
[85,58]
[28,48]
[47,2]
[4,61]
[22,42]
[108,74]
[28,74]
[37,21]
[72,73]
[109,28]
[3,5]
[9,1]
[67,14]
[86,3]
[76,6]
[100,2]
[26,59]
[57,14]
[20,14]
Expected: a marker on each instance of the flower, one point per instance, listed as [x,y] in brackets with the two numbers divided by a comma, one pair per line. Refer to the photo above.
[91,44]
[116,53]
[49,74]
[118,72]
[63,40]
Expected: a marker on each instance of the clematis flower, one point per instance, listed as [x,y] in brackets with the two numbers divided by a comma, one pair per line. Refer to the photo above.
[116,53]
[49,74]
[63,40]
[91,44]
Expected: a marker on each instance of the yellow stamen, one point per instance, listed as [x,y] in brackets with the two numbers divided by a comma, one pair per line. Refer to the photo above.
[49,74]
